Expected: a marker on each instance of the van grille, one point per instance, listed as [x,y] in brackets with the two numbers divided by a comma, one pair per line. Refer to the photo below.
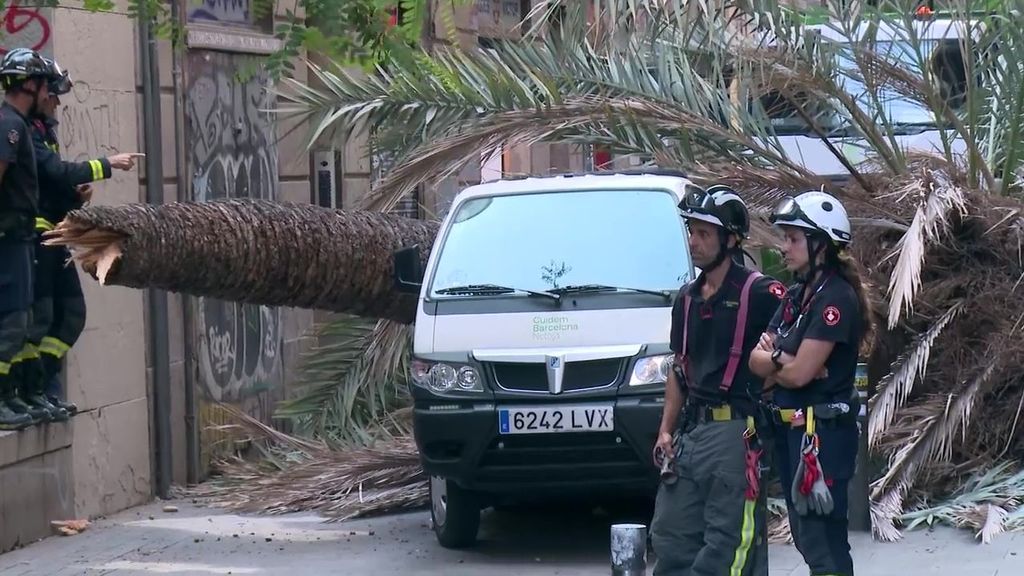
[554,458]
[533,377]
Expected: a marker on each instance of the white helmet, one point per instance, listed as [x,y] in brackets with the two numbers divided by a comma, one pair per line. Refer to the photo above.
[815,211]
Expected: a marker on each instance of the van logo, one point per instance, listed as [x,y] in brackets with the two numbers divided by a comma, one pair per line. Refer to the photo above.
[555,371]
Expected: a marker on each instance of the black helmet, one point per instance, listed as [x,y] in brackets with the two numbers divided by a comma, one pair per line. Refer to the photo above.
[720,205]
[60,80]
[20,64]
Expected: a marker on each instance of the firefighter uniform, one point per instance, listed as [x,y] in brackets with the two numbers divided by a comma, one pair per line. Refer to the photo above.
[18,205]
[711,518]
[816,427]
[58,309]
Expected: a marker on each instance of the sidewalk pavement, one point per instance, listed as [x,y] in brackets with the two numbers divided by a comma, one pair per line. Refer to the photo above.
[202,541]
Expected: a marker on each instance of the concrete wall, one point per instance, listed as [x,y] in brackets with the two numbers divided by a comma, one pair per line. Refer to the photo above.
[106,372]
[103,460]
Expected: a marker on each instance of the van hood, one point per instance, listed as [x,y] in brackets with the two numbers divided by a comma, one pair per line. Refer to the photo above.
[550,330]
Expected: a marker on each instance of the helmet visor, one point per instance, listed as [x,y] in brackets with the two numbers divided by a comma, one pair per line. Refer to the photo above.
[60,85]
[697,199]
[788,212]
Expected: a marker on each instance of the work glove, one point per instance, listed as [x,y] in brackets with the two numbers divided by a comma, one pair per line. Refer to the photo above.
[810,493]
[799,501]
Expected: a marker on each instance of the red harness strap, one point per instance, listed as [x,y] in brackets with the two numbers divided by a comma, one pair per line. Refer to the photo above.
[736,351]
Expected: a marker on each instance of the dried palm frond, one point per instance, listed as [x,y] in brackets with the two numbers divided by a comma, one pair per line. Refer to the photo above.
[338,484]
[896,387]
[928,432]
[937,197]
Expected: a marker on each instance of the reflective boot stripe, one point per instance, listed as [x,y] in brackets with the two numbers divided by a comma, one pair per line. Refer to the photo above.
[746,539]
[28,352]
[53,347]
[5,368]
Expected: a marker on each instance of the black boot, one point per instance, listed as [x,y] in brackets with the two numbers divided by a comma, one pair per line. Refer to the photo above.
[52,367]
[17,402]
[33,385]
[9,419]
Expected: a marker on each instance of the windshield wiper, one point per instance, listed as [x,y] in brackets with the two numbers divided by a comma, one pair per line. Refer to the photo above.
[489,289]
[583,288]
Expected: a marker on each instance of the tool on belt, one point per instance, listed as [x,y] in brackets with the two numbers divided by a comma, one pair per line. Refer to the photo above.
[752,456]
[809,491]
[668,461]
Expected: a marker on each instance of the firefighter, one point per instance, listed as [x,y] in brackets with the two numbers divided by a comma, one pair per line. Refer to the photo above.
[810,352]
[58,309]
[710,510]
[24,75]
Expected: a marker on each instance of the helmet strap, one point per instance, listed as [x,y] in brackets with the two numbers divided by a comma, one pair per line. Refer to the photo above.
[723,248]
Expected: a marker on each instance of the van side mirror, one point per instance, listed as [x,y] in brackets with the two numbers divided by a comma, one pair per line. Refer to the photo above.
[408,270]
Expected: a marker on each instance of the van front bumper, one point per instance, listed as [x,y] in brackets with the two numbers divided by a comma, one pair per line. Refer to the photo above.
[461,441]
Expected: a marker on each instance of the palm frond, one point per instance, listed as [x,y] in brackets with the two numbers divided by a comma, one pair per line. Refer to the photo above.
[929,432]
[990,502]
[354,383]
[937,196]
[895,387]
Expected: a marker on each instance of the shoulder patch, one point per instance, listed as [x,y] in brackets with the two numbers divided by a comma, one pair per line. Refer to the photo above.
[13,136]
[831,315]
[777,289]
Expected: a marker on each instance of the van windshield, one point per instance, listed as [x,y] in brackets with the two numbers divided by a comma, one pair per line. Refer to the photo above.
[543,241]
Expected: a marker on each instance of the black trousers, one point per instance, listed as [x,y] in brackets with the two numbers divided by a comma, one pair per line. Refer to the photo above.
[58,310]
[16,286]
[823,541]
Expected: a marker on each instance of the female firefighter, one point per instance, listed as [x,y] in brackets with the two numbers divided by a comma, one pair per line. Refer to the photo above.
[810,352]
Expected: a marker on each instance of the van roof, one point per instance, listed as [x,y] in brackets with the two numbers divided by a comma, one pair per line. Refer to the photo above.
[930,29]
[673,180]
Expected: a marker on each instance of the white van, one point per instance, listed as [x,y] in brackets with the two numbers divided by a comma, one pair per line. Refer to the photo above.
[915,127]
[542,340]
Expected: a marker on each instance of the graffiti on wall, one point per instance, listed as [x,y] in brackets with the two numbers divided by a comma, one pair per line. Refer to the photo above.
[89,123]
[233,154]
[222,11]
[26,27]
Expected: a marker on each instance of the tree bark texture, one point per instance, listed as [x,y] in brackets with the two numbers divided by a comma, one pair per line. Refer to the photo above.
[253,251]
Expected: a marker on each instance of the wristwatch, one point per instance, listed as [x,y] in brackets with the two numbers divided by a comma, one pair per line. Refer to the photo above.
[775,359]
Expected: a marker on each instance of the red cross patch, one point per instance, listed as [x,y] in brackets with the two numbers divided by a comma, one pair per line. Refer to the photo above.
[831,315]
[777,289]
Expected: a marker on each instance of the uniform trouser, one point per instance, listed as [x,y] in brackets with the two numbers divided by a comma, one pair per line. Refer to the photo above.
[703,525]
[58,313]
[15,306]
[822,540]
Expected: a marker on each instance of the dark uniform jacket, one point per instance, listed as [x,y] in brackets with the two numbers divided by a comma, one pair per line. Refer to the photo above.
[19,192]
[712,330]
[833,315]
[58,179]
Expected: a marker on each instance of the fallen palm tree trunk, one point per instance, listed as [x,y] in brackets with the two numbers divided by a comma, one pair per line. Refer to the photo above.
[253,251]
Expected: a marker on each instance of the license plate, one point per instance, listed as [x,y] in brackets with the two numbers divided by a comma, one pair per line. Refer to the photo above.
[539,420]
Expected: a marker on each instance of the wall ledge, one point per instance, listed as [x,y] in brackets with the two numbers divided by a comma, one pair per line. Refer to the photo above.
[21,445]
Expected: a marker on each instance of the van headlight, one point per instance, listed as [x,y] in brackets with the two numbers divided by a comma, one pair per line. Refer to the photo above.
[651,370]
[441,377]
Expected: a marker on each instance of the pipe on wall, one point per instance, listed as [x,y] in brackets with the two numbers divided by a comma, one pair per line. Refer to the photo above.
[192,463]
[157,299]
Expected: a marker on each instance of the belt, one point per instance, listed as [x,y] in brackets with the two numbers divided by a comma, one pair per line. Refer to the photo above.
[831,412]
[720,413]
